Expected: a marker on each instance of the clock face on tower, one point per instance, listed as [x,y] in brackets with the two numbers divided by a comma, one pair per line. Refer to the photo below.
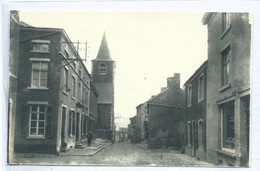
[103,68]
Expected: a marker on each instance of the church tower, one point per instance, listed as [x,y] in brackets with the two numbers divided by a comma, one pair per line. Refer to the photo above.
[103,78]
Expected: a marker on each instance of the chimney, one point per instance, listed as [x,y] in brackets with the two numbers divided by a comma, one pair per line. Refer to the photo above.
[174,82]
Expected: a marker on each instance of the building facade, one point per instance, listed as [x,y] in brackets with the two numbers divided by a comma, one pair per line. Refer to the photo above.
[92,124]
[195,114]
[123,135]
[141,119]
[103,79]
[53,92]
[13,72]
[132,130]
[166,127]
[228,88]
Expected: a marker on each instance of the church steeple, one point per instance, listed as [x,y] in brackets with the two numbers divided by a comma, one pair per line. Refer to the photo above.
[103,52]
[103,66]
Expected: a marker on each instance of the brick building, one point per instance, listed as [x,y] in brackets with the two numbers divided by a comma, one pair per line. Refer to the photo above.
[228,88]
[195,117]
[13,72]
[103,79]
[53,92]
[166,127]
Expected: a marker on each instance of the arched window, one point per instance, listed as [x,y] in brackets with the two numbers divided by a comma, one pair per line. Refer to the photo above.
[189,133]
[189,95]
[201,87]
[200,133]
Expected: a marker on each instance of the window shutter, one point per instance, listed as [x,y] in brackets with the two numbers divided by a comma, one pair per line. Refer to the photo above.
[49,123]
[24,120]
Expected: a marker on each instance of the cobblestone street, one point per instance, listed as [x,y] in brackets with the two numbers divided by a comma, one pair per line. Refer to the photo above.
[119,154]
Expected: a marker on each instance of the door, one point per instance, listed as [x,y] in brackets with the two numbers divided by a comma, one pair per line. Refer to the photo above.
[77,127]
[63,143]
[194,138]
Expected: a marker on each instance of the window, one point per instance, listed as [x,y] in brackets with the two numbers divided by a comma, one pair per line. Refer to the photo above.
[80,73]
[189,133]
[79,92]
[82,125]
[71,123]
[39,74]
[201,87]
[225,21]
[225,67]
[200,133]
[73,86]
[227,126]
[66,80]
[103,68]
[84,97]
[40,45]
[189,95]
[37,120]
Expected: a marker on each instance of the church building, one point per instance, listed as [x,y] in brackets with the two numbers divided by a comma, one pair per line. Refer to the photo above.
[103,79]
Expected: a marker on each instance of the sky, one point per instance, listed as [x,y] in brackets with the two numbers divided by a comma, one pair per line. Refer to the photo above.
[147,47]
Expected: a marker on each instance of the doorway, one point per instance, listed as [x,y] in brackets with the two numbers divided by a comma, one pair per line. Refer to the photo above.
[63,142]
[77,127]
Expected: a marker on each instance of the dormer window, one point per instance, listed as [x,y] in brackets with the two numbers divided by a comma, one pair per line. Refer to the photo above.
[103,68]
[41,46]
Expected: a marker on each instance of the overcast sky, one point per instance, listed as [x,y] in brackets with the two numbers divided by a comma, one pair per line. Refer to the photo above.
[148,47]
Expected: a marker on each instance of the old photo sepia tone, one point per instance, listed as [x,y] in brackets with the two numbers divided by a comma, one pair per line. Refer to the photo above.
[129,88]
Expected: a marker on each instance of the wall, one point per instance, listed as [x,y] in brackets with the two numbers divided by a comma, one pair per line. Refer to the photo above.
[238,36]
[26,94]
[194,113]
[166,126]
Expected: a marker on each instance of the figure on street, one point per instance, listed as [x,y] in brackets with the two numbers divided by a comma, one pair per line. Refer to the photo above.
[89,136]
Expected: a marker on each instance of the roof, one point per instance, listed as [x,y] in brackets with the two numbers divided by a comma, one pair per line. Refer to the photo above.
[24,24]
[199,70]
[103,52]
[105,91]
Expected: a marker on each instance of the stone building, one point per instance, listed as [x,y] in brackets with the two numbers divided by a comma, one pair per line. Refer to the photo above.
[123,134]
[13,72]
[103,79]
[53,92]
[228,88]
[166,127]
[141,117]
[195,114]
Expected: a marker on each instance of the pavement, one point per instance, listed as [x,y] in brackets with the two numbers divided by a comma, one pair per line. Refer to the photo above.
[96,146]
[168,153]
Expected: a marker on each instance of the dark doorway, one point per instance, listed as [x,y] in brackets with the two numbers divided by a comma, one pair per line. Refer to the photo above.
[63,143]
[77,127]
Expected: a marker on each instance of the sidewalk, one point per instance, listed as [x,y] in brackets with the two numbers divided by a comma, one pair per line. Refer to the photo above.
[96,146]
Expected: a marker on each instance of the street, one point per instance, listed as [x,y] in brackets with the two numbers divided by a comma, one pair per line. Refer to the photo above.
[119,154]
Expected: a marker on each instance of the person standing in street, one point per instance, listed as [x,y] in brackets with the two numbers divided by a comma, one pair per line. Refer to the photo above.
[89,136]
